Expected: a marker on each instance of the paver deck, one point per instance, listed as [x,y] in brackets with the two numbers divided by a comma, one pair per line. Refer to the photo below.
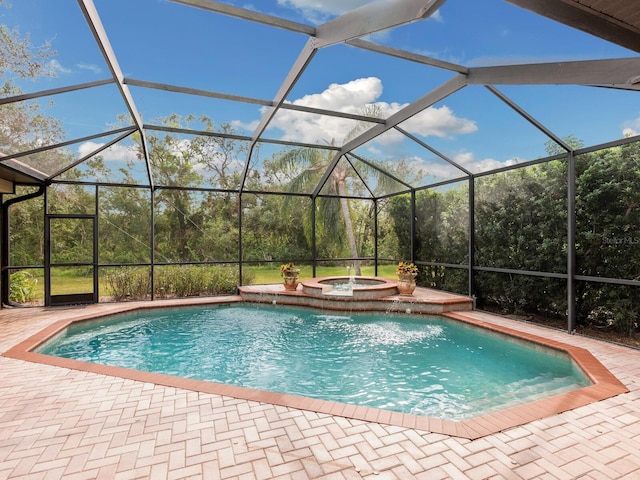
[58,422]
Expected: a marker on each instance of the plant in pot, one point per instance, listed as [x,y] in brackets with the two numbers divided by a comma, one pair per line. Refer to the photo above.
[407,273]
[289,274]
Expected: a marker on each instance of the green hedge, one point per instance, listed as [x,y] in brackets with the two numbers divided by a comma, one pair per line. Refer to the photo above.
[173,281]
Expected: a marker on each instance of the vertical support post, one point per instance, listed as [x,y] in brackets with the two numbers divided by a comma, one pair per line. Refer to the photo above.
[96,232]
[414,219]
[4,254]
[3,251]
[571,243]
[152,242]
[375,237]
[314,247]
[472,243]
[47,251]
[240,251]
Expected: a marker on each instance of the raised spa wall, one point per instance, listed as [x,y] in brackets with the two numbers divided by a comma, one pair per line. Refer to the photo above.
[379,294]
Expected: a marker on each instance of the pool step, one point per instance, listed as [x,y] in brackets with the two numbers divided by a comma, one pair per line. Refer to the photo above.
[527,390]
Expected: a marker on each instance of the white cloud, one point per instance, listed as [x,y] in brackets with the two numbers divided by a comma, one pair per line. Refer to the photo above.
[439,122]
[437,16]
[476,165]
[92,68]
[353,97]
[57,67]
[250,126]
[442,170]
[631,127]
[350,97]
[318,10]
[346,97]
[117,153]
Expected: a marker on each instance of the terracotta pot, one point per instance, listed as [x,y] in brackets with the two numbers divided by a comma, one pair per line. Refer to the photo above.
[406,284]
[291,280]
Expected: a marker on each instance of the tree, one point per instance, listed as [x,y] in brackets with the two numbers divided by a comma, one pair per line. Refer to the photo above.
[23,125]
[521,224]
[607,238]
[192,223]
[122,240]
[441,234]
[552,148]
[26,230]
[399,210]
[305,167]
[222,157]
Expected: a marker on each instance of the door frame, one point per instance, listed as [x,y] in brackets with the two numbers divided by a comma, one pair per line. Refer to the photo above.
[72,298]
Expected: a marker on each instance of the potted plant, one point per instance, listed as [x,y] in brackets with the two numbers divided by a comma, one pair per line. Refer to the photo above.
[289,274]
[407,272]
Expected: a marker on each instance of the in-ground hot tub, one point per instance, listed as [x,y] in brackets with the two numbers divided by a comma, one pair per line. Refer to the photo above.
[357,287]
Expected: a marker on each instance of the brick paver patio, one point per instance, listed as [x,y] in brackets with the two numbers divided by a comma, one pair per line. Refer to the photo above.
[61,423]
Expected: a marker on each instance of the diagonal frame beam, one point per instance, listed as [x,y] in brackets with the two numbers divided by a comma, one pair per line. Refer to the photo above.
[524,114]
[405,55]
[374,17]
[54,91]
[451,86]
[365,20]
[296,70]
[95,24]
[250,15]
[91,154]
[305,56]
[165,87]
[376,167]
[441,155]
[585,72]
[66,143]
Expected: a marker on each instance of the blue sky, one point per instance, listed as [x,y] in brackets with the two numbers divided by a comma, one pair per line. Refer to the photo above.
[160,41]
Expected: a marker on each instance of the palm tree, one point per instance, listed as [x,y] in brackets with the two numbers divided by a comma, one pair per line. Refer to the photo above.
[307,166]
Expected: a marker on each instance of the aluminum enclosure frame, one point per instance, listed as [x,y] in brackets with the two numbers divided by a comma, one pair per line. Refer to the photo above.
[353,28]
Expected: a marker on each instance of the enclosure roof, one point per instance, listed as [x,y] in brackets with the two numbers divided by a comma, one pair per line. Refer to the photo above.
[401,94]
[617,21]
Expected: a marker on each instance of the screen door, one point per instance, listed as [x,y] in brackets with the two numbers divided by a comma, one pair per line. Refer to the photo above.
[71,275]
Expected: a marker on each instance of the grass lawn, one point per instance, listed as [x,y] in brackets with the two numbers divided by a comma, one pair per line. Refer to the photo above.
[69,282]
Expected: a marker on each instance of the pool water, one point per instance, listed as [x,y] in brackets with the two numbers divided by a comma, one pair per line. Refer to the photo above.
[354,281]
[348,284]
[421,365]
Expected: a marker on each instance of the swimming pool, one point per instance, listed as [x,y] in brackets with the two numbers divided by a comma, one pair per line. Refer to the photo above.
[423,365]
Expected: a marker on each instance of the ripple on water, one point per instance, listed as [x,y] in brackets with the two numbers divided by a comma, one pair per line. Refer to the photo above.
[421,365]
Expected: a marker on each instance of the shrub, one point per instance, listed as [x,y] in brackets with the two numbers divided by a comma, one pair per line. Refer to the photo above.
[181,281]
[128,283]
[190,280]
[22,286]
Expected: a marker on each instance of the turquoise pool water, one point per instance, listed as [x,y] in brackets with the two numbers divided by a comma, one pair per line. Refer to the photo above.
[356,282]
[422,365]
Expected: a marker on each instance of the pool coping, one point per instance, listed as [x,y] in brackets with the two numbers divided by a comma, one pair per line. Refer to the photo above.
[605,384]
[315,287]
[424,300]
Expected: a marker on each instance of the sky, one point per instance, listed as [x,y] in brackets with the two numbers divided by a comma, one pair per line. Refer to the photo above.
[161,41]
